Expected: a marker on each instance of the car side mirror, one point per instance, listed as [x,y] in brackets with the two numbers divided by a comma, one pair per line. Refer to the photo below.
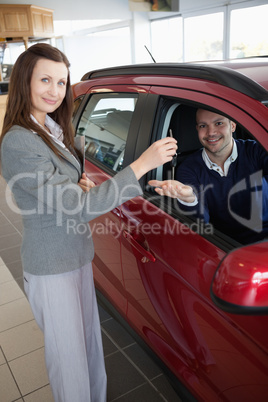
[240,284]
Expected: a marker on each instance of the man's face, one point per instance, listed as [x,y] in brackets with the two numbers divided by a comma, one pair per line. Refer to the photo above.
[215,133]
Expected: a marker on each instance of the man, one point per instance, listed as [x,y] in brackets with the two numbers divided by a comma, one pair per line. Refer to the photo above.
[225,183]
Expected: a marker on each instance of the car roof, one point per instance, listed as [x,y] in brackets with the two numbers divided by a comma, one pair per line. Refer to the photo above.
[249,76]
[256,68]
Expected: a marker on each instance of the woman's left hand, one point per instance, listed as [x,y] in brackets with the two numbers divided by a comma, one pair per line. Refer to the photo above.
[85,183]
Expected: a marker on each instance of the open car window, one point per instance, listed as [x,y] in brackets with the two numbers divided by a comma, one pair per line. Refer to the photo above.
[179,121]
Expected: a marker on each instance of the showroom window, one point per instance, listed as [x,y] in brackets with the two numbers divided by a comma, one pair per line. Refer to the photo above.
[203,35]
[105,124]
[231,31]
[245,39]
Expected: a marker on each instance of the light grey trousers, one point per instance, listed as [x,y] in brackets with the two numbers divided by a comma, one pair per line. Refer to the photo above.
[65,308]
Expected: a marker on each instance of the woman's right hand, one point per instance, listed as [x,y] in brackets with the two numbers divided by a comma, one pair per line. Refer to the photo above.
[85,183]
[157,154]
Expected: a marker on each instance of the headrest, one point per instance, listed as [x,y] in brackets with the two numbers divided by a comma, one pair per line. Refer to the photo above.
[183,125]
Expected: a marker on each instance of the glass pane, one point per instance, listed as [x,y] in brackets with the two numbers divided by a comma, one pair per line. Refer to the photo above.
[204,37]
[105,124]
[171,48]
[249,33]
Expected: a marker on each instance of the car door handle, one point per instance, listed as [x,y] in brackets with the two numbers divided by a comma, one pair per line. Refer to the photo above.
[148,256]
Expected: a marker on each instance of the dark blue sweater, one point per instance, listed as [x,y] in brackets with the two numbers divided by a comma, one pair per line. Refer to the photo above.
[237,204]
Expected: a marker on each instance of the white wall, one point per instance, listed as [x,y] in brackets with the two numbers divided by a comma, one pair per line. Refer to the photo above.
[110,9]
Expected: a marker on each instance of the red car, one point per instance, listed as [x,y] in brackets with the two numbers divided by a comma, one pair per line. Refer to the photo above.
[194,297]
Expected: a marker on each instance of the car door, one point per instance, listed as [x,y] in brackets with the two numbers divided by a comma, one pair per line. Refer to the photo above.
[168,265]
[108,121]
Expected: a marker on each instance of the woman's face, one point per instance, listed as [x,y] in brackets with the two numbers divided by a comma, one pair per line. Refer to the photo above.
[48,87]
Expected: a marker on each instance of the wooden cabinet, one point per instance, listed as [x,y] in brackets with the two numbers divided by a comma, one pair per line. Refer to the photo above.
[25,21]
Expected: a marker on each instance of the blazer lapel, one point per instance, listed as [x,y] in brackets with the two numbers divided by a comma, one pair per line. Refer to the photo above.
[79,143]
[70,158]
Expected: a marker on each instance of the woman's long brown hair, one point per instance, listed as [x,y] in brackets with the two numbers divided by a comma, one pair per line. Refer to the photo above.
[18,110]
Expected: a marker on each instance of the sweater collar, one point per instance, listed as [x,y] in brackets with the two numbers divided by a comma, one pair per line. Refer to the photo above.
[213,166]
[52,129]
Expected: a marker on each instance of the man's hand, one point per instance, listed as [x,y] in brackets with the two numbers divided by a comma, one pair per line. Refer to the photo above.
[173,189]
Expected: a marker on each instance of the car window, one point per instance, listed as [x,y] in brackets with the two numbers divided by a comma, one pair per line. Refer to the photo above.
[179,121]
[105,124]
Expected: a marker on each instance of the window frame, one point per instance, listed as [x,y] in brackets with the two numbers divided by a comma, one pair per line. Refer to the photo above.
[133,128]
[167,204]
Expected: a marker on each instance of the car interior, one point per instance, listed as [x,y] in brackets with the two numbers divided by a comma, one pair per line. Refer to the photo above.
[180,123]
[182,126]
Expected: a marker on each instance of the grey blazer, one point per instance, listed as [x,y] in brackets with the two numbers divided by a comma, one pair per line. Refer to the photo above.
[52,204]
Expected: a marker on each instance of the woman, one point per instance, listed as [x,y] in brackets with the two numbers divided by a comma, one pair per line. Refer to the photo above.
[42,167]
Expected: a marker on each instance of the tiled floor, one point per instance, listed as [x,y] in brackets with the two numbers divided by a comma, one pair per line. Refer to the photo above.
[132,376]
